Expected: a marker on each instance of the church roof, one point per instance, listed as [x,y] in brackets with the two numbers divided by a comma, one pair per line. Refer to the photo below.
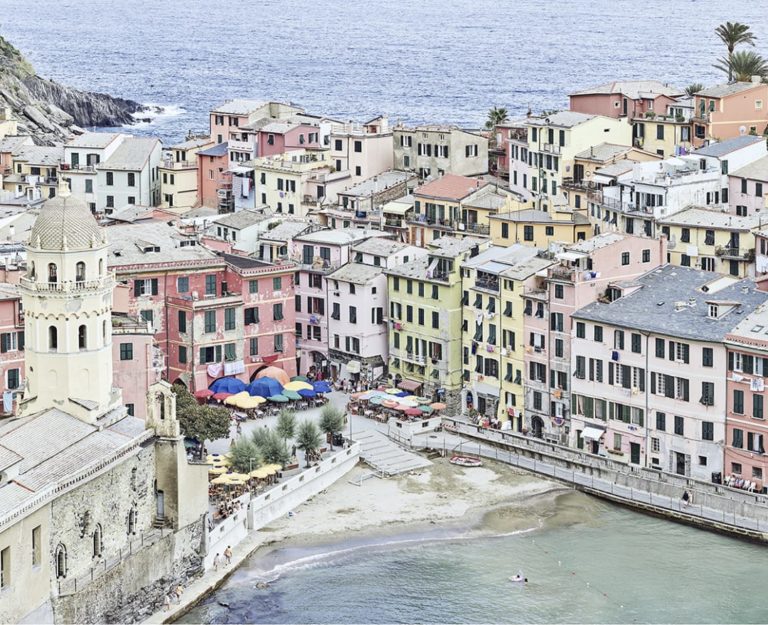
[65,218]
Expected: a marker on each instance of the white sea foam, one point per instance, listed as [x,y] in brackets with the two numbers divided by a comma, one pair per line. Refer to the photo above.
[157,113]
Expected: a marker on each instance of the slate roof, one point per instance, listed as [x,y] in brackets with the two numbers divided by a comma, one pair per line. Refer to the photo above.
[633,89]
[220,149]
[377,183]
[240,106]
[380,246]
[564,119]
[357,273]
[39,155]
[93,140]
[532,215]
[604,152]
[127,240]
[716,219]
[756,170]
[651,308]
[240,219]
[285,230]
[131,155]
[724,90]
[729,145]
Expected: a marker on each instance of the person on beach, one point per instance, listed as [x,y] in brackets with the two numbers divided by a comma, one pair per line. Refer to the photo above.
[228,555]
[216,562]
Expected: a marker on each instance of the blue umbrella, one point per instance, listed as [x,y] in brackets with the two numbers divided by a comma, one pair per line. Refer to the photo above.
[227,385]
[307,393]
[321,387]
[275,388]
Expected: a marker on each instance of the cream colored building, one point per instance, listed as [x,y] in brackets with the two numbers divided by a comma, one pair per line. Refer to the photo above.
[178,173]
[83,485]
[433,150]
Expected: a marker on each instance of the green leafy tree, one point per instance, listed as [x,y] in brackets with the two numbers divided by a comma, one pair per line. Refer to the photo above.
[204,423]
[693,88]
[732,34]
[308,438]
[742,65]
[245,456]
[286,424]
[496,116]
[331,421]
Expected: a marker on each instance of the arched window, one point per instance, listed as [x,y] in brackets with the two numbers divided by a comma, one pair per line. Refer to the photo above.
[82,337]
[98,544]
[53,273]
[53,338]
[60,561]
[101,266]
[80,272]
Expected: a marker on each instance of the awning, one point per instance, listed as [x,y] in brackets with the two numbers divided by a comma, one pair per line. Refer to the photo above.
[409,385]
[396,208]
[592,433]
[572,256]
[353,366]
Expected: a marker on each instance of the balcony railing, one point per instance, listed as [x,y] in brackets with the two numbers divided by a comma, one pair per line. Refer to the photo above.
[551,148]
[395,223]
[169,164]
[563,273]
[70,286]
[419,359]
[735,253]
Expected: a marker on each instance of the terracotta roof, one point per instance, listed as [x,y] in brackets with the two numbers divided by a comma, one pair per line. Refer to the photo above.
[450,187]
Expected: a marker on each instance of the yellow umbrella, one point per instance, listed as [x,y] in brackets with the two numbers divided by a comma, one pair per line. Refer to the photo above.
[236,481]
[237,476]
[217,470]
[392,391]
[273,468]
[217,460]
[297,385]
[251,402]
[222,479]
[259,474]
[233,399]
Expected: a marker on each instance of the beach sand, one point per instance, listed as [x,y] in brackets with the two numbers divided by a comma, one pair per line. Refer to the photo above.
[494,496]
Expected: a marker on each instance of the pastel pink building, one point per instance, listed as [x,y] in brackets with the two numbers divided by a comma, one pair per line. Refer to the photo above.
[730,110]
[746,427]
[137,362]
[318,254]
[649,384]
[213,175]
[748,188]
[625,98]
[11,346]
[586,271]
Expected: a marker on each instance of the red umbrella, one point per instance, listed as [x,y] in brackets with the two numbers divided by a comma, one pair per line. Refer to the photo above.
[222,396]
[413,412]
[203,394]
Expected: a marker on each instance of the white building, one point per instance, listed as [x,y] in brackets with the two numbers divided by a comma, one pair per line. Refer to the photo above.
[130,175]
[81,155]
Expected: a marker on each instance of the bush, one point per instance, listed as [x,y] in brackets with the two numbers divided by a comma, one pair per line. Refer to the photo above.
[245,456]
[204,423]
[331,420]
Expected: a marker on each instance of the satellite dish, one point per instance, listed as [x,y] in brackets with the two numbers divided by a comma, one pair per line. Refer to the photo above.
[742,130]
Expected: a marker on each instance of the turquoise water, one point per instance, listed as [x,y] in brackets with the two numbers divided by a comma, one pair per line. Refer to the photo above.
[587,562]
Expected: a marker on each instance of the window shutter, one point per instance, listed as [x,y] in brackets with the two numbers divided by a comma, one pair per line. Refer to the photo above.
[610,373]
[138,287]
[686,353]
[641,380]
[4,342]
[154,286]
[653,383]
[730,361]
[671,350]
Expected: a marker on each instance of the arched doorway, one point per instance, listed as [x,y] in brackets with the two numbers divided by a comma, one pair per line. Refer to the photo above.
[537,426]
[256,372]
[180,382]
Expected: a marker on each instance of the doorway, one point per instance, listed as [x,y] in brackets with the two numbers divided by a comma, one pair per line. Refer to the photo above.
[634,453]
[537,425]
[160,498]
[679,463]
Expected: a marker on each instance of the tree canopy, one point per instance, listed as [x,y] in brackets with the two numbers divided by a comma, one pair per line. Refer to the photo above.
[331,420]
[204,423]
[308,438]
[732,34]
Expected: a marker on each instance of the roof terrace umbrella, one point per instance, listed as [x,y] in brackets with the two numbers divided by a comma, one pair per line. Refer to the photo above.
[390,403]
[259,474]
[247,403]
[300,378]
[218,470]
[438,405]
[426,409]
[413,412]
[203,393]
[221,480]
[273,468]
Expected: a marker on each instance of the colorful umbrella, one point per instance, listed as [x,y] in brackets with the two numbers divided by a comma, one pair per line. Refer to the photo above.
[259,474]
[438,406]
[426,409]
[278,399]
[233,399]
[412,412]
[204,393]
[389,403]
[402,407]
[291,394]
[404,401]
[308,394]
[272,468]
[264,387]
[321,387]
[297,385]
[276,373]
[377,400]
[300,378]
[360,395]
[227,385]
[248,403]
[221,396]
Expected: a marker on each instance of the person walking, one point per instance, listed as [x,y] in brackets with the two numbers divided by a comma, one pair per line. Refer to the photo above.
[178,592]
[166,603]
[686,499]
[228,555]
[216,562]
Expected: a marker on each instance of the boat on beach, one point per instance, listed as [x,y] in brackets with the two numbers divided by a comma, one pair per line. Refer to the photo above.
[466,461]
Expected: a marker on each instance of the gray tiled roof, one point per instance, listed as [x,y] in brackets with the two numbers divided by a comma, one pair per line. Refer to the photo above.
[652,308]
[285,230]
[131,155]
[126,243]
[633,89]
[219,149]
[729,145]
[377,183]
[721,91]
[357,273]
[603,152]
[695,216]
[380,246]
[39,155]
[65,217]
[240,219]
[240,106]
[497,258]
[453,246]
[532,215]
[93,140]
[340,236]
[756,170]
[565,119]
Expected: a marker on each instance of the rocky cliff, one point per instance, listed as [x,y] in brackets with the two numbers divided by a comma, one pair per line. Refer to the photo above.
[48,111]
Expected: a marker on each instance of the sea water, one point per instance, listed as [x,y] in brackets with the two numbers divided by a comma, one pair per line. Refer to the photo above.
[590,562]
[425,61]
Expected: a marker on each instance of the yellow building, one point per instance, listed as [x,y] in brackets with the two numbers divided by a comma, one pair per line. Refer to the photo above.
[492,329]
[178,174]
[34,171]
[555,140]
[711,240]
[662,134]
[425,320]
[538,228]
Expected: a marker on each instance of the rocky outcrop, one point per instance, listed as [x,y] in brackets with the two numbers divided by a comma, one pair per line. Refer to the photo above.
[51,112]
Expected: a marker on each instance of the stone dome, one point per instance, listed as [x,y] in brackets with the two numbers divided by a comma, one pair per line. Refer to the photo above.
[65,222]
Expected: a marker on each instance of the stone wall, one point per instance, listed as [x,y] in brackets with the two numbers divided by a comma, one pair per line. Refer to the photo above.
[135,588]
[104,502]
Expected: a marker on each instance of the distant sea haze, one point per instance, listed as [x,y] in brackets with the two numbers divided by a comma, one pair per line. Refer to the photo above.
[426,61]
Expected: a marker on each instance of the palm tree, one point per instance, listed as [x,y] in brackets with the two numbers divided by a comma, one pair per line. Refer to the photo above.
[245,456]
[496,116]
[693,88]
[743,65]
[732,34]
[308,439]
[331,421]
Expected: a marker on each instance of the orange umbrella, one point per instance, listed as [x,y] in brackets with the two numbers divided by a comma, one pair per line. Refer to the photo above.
[274,372]
[390,403]
[437,406]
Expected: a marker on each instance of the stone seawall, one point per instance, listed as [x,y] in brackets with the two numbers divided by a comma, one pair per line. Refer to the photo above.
[135,588]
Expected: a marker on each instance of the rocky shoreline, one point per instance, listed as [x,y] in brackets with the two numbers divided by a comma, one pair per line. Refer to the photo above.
[50,112]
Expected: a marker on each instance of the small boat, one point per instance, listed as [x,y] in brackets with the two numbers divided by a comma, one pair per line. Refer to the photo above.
[465,461]
[518,579]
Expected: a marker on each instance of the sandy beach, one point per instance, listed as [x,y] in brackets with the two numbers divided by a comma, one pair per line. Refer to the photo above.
[495,496]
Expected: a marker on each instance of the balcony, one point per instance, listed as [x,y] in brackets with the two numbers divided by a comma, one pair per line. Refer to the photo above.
[70,286]
[487,283]
[727,252]
[317,266]
[551,148]
[208,301]
[701,117]
[85,169]
[563,273]
[432,221]
[418,359]
[179,164]
[474,228]
[241,146]
[395,223]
